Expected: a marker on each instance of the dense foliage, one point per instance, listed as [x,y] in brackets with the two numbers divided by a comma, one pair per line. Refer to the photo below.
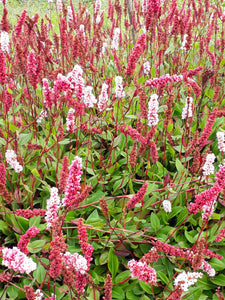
[112,141]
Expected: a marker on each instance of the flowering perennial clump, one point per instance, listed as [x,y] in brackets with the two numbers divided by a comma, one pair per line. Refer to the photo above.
[116,98]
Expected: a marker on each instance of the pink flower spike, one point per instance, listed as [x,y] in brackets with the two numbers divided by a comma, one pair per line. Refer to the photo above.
[142,271]
[73,182]
[17,260]
[53,204]
[103,97]
[153,106]
[70,120]
[88,98]
[25,239]
[137,198]
[75,261]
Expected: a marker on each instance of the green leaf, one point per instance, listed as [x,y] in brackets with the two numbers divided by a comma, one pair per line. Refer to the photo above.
[64,142]
[181,217]
[36,246]
[117,140]
[131,296]
[35,221]
[122,276]
[155,222]
[4,227]
[194,294]
[113,263]
[39,273]
[163,277]
[205,283]
[153,71]
[219,280]
[12,291]
[117,293]
[146,287]
[12,127]
[103,258]
[25,138]
[179,166]
[35,173]
[217,264]
[2,141]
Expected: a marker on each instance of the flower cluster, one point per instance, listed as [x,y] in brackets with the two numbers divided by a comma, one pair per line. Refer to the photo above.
[59,5]
[2,174]
[139,197]
[24,239]
[184,280]
[88,98]
[208,167]
[184,42]
[221,141]
[73,182]
[47,91]
[133,133]
[115,41]
[86,248]
[209,196]
[4,41]
[28,213]
[11,159]
[38,295]
[146,67]
[17,260]
[70,120]
[53,204]
[167,206]
[43,114]
[163,80]
[135,54]
[70,14]
[77,81]
[153,106]
[75,261]
[208,268]
[103,97]
[221,235]
[119,87]
[188,108]
[142,271]
[208,210]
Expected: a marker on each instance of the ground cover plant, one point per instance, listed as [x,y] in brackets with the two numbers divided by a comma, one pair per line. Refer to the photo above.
[112,141]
